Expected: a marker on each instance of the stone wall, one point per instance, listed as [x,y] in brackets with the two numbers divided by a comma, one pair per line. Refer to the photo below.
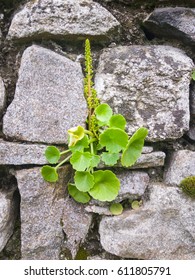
[143,54]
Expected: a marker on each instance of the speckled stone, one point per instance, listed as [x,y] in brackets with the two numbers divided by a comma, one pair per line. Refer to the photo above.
[149,85]
[180,166]
[161,229]
[63,19]
[48,99]
[12,153]
[41,210]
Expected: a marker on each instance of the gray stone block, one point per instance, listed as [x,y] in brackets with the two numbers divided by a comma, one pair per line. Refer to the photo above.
[178,23]
[149,85]
[163,228]
[8,214]
[48,99]
[181,165]
[12,153]
[41,211]
[63,19]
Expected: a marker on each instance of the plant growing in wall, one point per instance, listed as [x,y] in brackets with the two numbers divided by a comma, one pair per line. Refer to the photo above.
[104,140]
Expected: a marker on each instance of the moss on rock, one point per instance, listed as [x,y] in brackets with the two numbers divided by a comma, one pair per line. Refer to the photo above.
[188,186]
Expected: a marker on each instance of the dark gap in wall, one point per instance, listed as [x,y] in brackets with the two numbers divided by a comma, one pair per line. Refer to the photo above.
[12,250]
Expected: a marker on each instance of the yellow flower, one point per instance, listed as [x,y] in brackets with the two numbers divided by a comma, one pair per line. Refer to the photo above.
[75,134]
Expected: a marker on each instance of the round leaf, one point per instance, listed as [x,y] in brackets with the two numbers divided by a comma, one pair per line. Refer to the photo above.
[103,113]
[116,209]
[49,173]
[84,181]
[118,121]
[52,154]
[110,158]
[106,186]
[81,197]
[114,139]
[134,147]
[95,160]
[81,160]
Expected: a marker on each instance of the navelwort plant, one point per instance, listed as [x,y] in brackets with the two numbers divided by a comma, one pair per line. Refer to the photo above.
[104,140]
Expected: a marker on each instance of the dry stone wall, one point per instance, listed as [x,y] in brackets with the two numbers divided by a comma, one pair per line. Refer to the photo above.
[143,59]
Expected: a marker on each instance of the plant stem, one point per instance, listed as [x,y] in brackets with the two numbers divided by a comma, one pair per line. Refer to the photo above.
[65,152]
[89,132]
[62,162]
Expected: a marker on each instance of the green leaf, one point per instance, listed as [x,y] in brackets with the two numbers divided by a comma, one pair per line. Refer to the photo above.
[49,173]
[81,197]
[118,121]
[81,160]
[116,208]
[103,113]
[75,134]
[110,158]
[81,144]
[193,75]
[84,181]
[134,147]
[114,139]
[95,160]
[52,154]
[106,186]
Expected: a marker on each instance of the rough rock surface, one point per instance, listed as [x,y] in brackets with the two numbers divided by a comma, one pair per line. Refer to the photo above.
[8,213]
[133,184]
[76,223]
[153,159]
[19,154]
[2,93]
[41,212]
[149,85]
[147,149]
[48,99]
[163,228]
[176,23]
[181,165]
[101,210]
[65,19]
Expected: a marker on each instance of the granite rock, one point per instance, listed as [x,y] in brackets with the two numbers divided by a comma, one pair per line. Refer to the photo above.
[133,184]
[63,19]
[76,223]
[153,159]
[178,23]
[12,153]
[181,165]
[163,228]
[8,214]
[149,85]
[41,211]
[48,99]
